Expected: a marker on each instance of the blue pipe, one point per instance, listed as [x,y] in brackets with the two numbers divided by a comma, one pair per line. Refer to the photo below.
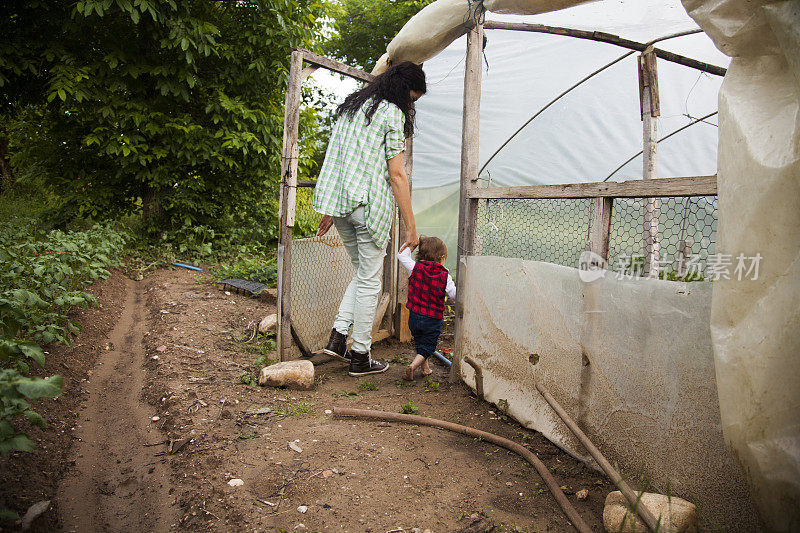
[442,358]
[190,267]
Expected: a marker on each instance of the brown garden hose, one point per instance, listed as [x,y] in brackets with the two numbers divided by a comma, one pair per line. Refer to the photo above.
[525,453]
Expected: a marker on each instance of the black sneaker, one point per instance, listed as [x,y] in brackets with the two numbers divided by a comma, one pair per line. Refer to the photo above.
[337,346]
[362,364]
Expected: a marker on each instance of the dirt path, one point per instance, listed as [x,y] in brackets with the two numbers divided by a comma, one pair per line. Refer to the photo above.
[117,483]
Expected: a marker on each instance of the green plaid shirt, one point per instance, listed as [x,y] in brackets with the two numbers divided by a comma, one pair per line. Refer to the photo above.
[355,171]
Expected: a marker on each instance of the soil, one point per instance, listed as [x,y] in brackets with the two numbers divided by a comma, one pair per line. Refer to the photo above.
[155,423]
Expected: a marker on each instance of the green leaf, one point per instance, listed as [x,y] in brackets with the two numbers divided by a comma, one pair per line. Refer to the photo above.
[33,351]
[19,442]
[35,388]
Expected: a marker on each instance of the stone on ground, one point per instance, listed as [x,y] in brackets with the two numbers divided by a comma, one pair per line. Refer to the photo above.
[290,374]
[677,515]
[268,324]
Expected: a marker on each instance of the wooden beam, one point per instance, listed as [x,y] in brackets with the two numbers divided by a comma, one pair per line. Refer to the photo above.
[650,109]
[467,211]
[662,187]
[307,183]
[291,121]
[383,305]
[601,225]
[330,64]
[606,38]
[400,294]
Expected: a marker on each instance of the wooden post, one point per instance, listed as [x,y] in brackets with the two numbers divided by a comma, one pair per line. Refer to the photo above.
[601,225]
[400,290]
[650,109]
[291,121]
[467,212]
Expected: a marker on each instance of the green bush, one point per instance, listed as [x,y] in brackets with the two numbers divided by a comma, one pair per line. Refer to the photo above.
[42,280]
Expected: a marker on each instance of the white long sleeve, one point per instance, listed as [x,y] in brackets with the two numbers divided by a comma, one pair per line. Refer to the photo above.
[405,259]
[451,288]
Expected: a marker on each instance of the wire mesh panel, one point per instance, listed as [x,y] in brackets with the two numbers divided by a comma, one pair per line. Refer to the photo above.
[685,230]
[550,230]
[321,271]
[675,234]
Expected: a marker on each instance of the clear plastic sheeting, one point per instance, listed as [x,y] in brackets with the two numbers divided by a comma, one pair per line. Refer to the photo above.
[755,322]
[438,24]
[630,360]
[529,7]
[321,271]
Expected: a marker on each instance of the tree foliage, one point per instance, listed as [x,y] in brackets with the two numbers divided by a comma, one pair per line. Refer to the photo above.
[169,108]
[363,28]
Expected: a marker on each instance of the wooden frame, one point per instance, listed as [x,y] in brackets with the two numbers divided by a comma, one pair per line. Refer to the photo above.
[661,187]
[606,38]
[286,333]
[468,205]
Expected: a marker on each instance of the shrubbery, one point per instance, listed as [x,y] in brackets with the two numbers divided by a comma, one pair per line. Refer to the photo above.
[42,280]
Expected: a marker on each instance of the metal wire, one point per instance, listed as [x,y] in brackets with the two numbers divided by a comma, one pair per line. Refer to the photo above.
[557,231]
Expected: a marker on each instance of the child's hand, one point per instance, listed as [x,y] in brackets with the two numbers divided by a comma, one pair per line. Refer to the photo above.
[412,241]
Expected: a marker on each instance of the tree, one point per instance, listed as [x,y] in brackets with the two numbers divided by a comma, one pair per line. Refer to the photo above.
[363,28]
[170,108]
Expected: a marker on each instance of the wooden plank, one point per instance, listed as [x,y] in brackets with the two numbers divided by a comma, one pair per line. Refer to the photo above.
[380,311]
[648,94]
[307,183]
[291,121]
[400,295]
[662,187]
[403,333]
[606,38]
[380,335]
[601,225]
[470,127]
[330,64]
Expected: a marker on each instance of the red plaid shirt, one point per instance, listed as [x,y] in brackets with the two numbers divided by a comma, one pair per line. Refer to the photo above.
[426,289]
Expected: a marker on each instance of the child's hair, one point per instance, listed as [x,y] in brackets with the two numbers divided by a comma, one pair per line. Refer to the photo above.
[431,249]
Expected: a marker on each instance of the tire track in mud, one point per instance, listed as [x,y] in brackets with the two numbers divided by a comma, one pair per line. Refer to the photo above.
[118,483]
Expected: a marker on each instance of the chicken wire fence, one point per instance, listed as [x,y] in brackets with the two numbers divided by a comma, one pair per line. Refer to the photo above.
[321,271]
[558,230]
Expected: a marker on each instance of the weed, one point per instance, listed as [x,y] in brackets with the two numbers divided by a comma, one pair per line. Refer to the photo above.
[402,384]
[399,360]
[430,385]
[409,408]
[246,378]
[300,408]
[368,384]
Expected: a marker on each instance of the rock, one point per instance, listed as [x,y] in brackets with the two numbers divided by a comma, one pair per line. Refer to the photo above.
[268,324]
[34,511]
[302,509]
[236,482]
[300,527]
[291,374]
[161,348]
[295,447]
[677,515]
[582,494]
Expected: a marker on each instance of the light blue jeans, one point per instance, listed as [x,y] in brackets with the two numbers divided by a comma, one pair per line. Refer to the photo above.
[361,297]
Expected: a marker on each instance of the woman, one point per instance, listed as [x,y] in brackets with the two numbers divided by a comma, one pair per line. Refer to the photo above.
[362,177]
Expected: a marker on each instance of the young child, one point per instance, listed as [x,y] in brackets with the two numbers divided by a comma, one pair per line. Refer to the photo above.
[428,282]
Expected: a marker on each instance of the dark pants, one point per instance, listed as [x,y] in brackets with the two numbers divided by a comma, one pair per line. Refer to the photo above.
[426,332]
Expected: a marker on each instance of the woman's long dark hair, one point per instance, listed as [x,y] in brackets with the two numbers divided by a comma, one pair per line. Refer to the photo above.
[394,86]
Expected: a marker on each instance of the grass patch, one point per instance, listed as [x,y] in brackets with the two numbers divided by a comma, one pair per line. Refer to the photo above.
[300,408]
[368,384]
[403,384]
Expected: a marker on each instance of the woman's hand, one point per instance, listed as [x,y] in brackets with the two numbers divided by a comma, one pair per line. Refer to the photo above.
[324,225]
[411,242]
